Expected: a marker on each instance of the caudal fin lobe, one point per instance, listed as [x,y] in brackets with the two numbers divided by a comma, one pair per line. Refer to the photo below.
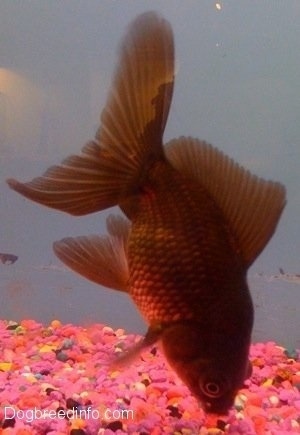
[130,132]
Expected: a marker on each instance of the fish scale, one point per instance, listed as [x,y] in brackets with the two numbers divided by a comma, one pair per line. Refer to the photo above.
[174,234]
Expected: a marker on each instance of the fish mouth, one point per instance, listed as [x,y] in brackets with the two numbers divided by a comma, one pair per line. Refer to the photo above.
[218,409]
[217,412]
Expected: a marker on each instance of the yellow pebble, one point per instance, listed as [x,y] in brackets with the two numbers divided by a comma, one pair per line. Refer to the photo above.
[48,348]
[114,374]
[267,383]
[20,330]
[6,366]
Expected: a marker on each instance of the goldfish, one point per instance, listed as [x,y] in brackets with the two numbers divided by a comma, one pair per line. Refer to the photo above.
[193,221]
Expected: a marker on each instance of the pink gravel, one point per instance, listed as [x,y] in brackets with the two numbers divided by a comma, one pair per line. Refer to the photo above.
[57,379]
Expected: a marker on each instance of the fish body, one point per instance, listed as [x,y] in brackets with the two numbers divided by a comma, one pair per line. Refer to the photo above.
[178,248]
[195,221]
[188,279]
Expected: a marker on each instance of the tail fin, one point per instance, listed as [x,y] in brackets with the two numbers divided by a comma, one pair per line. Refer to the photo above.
[131,130]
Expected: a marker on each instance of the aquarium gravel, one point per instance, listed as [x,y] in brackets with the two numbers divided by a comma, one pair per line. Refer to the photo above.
[59,379]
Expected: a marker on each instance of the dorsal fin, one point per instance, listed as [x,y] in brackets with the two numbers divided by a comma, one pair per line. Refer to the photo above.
[251,205]
[101,259]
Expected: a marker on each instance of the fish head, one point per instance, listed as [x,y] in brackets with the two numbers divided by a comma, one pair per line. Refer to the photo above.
[213,366]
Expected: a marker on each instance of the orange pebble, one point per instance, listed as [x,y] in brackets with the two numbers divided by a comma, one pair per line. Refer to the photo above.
[284,373]
[83,339]
[69,331]
[296,379]
[260,424]
[254,399]
[55,324]
[258,362]
[107,339]
[23,432]
[151,390]
[286,385]
[160,388]
[29,402]
[286,411]
[20,340]
[156,431]
[173,401]
[78,423]
[29,324]
[211,421]
[174,392]
[79,357]
[254,411]
[214,431]
[7,431]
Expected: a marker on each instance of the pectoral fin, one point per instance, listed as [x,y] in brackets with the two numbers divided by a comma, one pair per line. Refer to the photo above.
[101,259]
[152,336]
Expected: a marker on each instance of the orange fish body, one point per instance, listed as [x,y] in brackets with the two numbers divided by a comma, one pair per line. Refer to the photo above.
[196,221]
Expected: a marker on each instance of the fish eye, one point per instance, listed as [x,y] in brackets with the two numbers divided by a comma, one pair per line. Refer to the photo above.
[213,387]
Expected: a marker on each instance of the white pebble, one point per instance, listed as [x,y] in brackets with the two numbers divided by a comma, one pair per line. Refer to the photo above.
[140,386]
[295,424]
[274,400]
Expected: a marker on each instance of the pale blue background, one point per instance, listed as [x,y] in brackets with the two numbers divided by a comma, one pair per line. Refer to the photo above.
[237,86]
